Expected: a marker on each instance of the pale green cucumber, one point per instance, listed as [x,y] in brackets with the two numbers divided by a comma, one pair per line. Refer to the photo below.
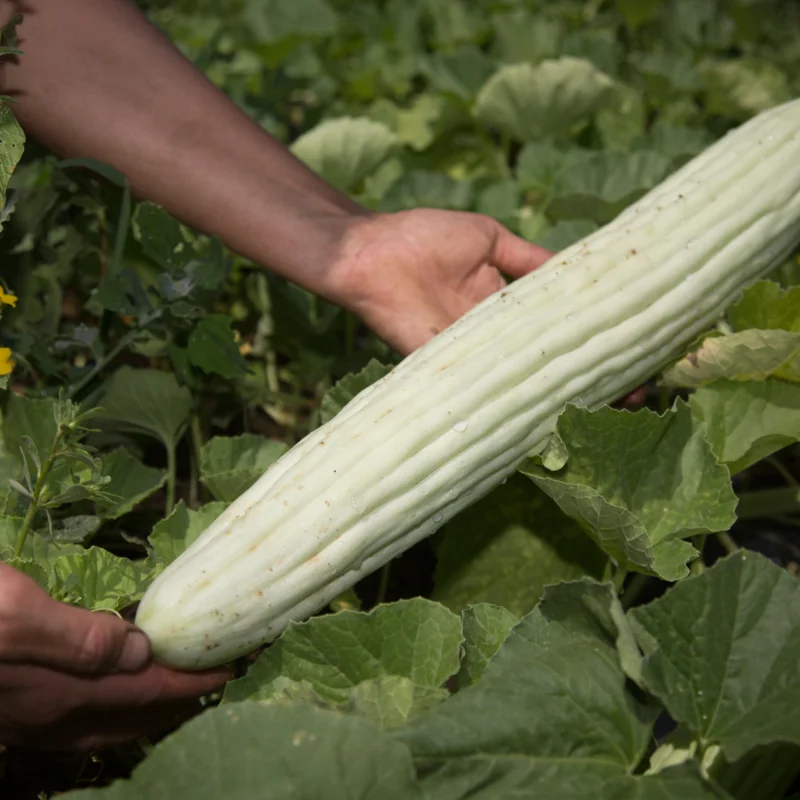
[454,419]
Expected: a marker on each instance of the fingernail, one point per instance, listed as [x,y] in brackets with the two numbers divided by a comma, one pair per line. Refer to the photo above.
[135,652]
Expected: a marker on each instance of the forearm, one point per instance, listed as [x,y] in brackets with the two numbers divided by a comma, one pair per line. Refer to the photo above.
[96,79]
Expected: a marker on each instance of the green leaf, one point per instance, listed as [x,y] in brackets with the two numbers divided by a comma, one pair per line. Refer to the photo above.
[77,529]
[272,22]
[413,639]
[212,347]
[525,36]
[722,650]
[12,142]
[122,292]
[598,185]
[486,627]
[460,73]
[743,87]
[350,386]
[538,165]
[566,232]
[229,465]
[750,355]
[552,711]
[345,151]
[97,579]
[148,401]
[418,126]
[507,547]
[429,189]
[38,549]
[500,200]
[172,535]
[392,700]
[161,237]
[131,483]
[630,480]
[529,103]
[666,75]
[623,122]
[637,12]
[26,416]
[678,143]
[237,751]
[767,306]
[746,422]
[29,424]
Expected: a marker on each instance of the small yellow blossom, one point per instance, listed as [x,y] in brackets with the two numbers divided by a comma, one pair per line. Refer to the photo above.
[8,299]
[6,362]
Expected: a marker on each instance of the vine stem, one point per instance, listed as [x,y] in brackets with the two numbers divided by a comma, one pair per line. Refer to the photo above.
[196,431]
[727,542]
[37,493]
[384,585]
[101,364]
[171,478]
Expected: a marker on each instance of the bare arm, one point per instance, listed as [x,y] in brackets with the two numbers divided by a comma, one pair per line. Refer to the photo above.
[97,79]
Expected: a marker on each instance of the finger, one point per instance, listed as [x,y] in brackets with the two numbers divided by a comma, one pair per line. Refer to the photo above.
[154,685]
[45,708]
[36,629]
[516,257]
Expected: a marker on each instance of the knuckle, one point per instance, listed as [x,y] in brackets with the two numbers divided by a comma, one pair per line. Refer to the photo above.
[98,649]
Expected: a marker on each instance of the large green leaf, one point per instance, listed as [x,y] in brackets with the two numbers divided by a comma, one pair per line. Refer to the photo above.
[98,579]
[722,650]
[172,535]
[529,103]
[347,388]
[510,545]
[742,87]
[745,422]
[417,188]
[552,716]
[767,306]
[486,627]
[272,22]
[460,73]
[212,347]
[93,578]
[346,150]
[750,355]
[598,185]
[631,481]
[417,640]
[131,483]
[625,121]
[229,465]
[148,401]
[526,36]
[247,751]
[666,74]
[162,238]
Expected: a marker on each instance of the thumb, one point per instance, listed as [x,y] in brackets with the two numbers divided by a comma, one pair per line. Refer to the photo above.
[515,256]
[36,629]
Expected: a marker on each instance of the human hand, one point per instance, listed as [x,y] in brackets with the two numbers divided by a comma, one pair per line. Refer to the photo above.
[72,679]
[410,274]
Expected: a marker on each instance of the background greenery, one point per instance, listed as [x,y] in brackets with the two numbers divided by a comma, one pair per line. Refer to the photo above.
[551,117]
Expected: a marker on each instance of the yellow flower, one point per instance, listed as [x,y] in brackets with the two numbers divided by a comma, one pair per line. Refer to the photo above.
[8,299]
[6,362]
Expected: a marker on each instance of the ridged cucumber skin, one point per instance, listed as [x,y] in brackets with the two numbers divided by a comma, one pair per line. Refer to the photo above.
[455,418]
